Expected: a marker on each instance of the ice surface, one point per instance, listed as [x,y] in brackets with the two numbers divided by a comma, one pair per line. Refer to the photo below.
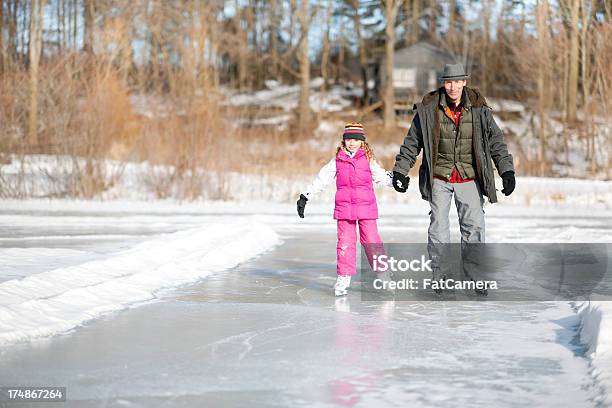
[270,333]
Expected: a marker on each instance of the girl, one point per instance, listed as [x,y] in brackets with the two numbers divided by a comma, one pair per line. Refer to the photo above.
[355,169]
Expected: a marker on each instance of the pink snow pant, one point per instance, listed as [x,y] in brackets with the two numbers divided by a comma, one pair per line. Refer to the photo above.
[346,249]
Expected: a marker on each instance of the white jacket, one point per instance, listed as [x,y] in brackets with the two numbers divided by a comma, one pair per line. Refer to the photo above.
[327,174]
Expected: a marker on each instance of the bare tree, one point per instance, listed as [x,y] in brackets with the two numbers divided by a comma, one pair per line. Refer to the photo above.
[415,20]
[326,45]
[391,9]
[12,8]
[570,11]
[37,8]
[2,54]
[88,37]
[361,48]
[543,81]
[304,61]
[273,30]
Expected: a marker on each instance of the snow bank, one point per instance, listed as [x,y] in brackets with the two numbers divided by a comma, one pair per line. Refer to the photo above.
[58,300]
[596,334]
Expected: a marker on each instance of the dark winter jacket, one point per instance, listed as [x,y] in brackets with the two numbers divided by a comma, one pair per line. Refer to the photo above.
[424,133]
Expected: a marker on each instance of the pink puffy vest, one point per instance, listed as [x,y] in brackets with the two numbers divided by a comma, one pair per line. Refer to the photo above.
[355,199]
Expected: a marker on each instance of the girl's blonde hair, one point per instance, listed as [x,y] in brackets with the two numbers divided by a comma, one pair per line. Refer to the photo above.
[364,145]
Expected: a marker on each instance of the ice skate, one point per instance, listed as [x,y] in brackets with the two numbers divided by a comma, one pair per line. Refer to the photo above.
[342,284]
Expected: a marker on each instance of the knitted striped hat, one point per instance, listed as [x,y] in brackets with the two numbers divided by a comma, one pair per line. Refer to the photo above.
[354,130]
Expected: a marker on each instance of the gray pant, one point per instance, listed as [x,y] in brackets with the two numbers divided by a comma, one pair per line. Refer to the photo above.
[469,202]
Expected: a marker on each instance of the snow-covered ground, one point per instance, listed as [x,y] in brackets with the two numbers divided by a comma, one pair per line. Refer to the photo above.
[49,176]
[596,334]
[286,97]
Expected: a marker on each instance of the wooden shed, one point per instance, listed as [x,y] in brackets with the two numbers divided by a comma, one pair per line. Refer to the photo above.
[416,70]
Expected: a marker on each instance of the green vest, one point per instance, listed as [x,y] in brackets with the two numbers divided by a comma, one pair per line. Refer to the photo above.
[455,145]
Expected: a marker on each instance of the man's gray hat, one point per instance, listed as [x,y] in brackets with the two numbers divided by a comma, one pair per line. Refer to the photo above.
[453,71]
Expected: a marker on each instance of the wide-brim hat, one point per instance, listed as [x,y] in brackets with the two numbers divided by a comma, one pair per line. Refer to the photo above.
[453,72]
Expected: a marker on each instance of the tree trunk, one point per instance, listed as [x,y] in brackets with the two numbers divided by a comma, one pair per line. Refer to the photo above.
[12,37]
[37,8]
[572,91]
[60,25]
[363,58]
[242,49]
[452,15]
[2,57]
[391,8]
[326,46]
[585,55]
[586,8]
[433,15]
[340,64]
[88,35]
[250,31]
[486,21]
[415,21]
[304,102]
[406,23]
[292,13]
[543,85]
[211,64]
[69,4]
[25,33]
[272,33]
[565,57]
[75,16]
[154,81]
[467,47]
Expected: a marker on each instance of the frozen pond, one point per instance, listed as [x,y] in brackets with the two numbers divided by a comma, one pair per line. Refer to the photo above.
[269,333]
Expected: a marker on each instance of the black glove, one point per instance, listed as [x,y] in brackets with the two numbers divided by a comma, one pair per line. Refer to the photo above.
[301,204]
[400,182]
[509,182]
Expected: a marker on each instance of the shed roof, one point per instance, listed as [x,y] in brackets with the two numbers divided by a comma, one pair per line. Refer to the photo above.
[423,54]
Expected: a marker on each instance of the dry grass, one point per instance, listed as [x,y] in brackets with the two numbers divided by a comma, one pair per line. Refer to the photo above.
[87,114]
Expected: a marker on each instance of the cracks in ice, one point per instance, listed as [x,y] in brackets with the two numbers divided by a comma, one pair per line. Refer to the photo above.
[276,287]
[299,293]
[247,336]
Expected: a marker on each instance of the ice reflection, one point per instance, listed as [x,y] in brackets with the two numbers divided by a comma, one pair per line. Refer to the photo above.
[357,347]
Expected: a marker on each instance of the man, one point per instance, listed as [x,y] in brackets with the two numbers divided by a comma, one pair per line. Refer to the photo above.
[459,137]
